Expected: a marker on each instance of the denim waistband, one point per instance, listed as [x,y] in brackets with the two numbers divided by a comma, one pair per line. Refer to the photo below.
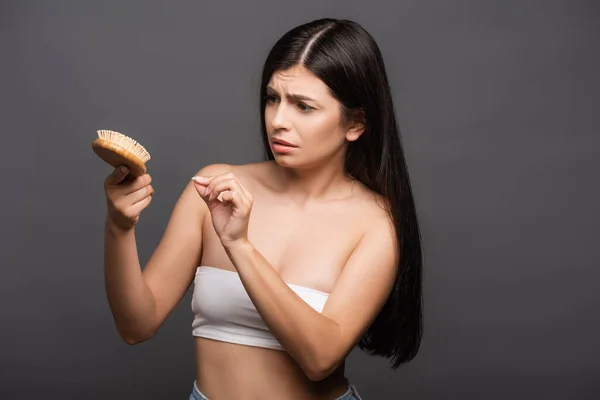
[350,394]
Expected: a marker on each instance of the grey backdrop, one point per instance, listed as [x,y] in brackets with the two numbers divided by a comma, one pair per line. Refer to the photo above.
[498,104]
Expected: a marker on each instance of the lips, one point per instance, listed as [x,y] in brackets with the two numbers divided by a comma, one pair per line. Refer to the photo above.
[283,142]
[281,146]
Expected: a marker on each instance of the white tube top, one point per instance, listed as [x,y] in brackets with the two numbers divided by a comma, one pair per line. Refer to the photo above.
[223,310]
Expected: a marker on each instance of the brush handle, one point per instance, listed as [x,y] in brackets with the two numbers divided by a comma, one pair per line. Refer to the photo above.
[116,155]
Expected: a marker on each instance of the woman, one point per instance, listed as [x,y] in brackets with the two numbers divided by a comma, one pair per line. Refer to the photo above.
[295,260]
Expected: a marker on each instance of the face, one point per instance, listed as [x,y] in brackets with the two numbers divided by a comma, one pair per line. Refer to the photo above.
[300,111]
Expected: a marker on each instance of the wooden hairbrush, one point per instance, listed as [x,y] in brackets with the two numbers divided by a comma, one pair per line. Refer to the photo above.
[117,149]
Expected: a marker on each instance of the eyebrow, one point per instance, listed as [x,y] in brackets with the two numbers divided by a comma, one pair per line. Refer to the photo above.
[297,97]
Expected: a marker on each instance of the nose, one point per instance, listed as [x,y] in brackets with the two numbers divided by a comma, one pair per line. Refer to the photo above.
[280,120]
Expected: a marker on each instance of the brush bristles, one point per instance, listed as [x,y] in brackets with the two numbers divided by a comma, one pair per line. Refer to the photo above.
[126,142]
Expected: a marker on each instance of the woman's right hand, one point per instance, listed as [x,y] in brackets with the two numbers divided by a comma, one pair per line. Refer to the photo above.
[126,198]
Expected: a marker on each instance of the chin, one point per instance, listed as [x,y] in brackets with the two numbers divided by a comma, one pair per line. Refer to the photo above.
[284,161]
[293,164]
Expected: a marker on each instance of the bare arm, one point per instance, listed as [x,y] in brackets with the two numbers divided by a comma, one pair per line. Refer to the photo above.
[129,297]
[320,342]
[140,301]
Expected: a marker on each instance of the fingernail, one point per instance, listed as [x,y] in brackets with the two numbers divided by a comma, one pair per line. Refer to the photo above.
[200,179]
[124,169]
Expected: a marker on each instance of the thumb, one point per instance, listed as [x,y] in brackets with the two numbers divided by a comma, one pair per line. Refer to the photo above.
[201,183]
[119,174]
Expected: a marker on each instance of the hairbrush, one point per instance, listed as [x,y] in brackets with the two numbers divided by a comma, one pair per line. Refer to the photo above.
[117,149]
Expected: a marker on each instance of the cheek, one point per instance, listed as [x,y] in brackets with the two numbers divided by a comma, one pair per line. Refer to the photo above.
[322,129]
[268,118]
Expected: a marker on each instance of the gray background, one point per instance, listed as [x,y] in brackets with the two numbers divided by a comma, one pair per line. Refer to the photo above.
[498,105]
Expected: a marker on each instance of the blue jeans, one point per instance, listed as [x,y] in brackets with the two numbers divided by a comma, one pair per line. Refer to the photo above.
[351,394]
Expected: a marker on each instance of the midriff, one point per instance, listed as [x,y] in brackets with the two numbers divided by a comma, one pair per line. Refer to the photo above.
[233,371]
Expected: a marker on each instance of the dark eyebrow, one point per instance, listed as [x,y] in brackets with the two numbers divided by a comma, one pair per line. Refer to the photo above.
[297,97]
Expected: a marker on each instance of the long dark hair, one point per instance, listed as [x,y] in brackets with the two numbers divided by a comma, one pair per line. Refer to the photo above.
[347,59]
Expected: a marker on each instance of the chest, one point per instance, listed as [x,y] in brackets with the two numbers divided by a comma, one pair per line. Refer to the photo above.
[306,247]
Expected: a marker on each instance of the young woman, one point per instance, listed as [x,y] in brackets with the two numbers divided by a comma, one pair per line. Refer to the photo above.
[295,260]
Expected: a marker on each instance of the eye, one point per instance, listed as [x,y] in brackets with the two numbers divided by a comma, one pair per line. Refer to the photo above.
[304,108]
[271,98]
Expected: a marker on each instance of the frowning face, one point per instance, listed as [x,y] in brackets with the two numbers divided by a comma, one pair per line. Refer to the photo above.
[303,120]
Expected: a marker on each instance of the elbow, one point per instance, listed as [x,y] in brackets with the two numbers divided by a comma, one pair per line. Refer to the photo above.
[320,369]
[130,341]
[316,376]
[322,359]
[132,338]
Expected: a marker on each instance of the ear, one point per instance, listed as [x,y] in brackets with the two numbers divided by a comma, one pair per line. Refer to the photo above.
[356,127]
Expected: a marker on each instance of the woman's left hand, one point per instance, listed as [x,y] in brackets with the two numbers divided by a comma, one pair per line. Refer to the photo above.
[230,205]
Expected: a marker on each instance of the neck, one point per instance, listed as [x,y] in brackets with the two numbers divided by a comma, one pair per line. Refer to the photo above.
[322,181]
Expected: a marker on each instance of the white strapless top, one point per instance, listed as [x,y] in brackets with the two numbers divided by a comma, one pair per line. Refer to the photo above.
[223,310]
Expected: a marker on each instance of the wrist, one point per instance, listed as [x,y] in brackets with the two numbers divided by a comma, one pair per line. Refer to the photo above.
[237,245]
[114,229]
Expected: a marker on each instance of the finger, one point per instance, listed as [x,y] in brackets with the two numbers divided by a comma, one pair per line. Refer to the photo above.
[139,194]
[117,175]
[136,184]
[226,197]
[200,183]
[246,196]
[212,181]
[238,188]
[231,197]
[233,187]
[137,208]
[224,182]
[219,185]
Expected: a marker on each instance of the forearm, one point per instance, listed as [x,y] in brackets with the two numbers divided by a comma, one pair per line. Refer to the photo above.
[130,299]
[309,337]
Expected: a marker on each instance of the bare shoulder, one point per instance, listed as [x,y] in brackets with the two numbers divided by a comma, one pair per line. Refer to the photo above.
[374,208]
[248,174]
[256,168]
[257,172]
[214,169]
